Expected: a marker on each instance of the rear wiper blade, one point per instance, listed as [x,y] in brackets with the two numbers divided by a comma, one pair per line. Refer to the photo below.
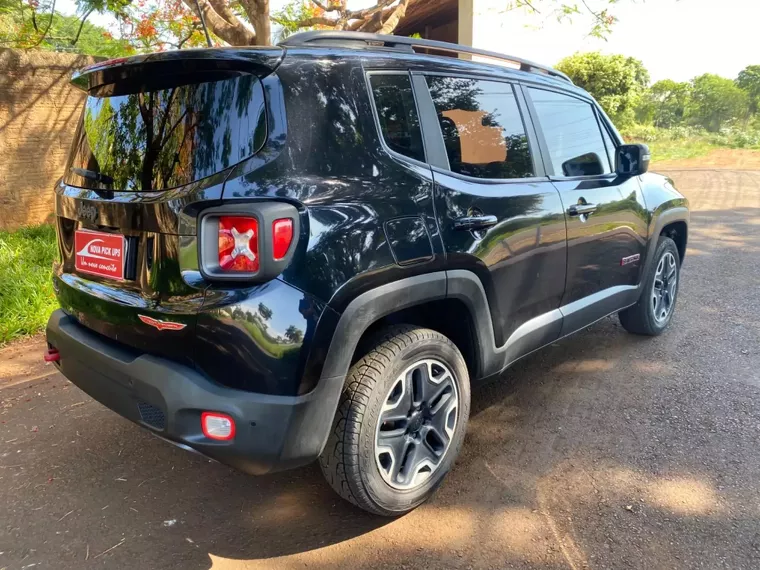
[92,175]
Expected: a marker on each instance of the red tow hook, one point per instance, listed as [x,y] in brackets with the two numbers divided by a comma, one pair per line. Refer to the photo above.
[52,355]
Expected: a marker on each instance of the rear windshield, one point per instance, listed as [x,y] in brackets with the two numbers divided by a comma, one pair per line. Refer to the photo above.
[156,140]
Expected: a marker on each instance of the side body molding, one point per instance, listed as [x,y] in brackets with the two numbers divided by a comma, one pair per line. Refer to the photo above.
[467,288]
[537,332]
[464,286]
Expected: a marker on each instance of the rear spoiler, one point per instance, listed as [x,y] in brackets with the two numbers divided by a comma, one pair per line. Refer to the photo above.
[260,61]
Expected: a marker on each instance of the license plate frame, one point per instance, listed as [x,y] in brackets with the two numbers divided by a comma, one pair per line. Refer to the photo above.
[100,253]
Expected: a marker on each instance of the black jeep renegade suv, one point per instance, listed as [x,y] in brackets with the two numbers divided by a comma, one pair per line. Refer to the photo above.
[273,255]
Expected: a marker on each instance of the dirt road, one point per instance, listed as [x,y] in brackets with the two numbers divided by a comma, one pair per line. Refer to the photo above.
[604,451]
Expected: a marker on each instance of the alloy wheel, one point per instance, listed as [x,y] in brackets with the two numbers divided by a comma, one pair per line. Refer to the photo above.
[664,290]
[416,424]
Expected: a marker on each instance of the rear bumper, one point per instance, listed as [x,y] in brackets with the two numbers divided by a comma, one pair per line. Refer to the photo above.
[272,432]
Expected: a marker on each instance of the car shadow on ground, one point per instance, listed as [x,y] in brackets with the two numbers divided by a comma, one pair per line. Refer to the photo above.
[194,511]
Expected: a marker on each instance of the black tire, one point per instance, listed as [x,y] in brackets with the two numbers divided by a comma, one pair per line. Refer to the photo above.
[641,318]
[352,459]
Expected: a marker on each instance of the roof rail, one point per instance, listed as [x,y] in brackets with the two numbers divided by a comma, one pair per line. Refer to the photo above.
[408,44]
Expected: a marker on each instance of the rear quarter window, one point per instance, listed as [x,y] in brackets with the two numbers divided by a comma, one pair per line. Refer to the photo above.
[160,139]
[397,114]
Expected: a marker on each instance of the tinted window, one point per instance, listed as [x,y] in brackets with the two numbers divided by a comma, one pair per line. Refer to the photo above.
[160,139]
[399,122]
[482,127]
[572,134]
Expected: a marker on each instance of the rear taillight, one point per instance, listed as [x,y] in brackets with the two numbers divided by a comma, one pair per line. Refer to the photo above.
[238,244]
[282,237]
[252,242]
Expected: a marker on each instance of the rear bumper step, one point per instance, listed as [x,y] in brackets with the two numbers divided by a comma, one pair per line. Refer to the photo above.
[272,432]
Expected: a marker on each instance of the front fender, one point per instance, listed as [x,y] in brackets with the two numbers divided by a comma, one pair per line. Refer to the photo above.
[666,205]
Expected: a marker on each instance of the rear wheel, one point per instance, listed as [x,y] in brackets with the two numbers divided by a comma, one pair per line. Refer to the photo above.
[400,422]
[654,310]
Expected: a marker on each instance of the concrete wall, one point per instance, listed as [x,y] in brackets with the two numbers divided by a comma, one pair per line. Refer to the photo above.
[39,112]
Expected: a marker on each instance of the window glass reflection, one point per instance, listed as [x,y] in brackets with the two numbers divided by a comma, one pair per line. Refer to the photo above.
[160,139]
[482,127]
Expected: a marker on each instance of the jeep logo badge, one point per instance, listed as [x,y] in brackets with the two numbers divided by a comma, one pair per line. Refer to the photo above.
[87,212]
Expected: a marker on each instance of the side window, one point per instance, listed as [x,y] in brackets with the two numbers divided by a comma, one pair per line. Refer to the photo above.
[572,134]
[482,128]
[399,122]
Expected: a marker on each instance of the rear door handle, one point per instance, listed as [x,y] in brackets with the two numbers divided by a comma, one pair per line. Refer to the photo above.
[474,223]
[579,209]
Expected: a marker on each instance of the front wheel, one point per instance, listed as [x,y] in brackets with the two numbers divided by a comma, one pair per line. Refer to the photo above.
[654,310]
[400,422]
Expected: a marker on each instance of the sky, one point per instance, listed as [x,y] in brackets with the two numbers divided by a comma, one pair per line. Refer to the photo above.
[676,39]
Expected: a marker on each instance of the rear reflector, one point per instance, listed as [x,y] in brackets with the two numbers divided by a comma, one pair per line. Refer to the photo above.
[238,244]
[217,426]
[282,232]
[52,355]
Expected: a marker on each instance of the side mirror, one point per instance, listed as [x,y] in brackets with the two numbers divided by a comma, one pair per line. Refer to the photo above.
[632,159]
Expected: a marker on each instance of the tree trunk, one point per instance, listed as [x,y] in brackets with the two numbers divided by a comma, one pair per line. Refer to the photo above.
[391,23]
[233,32]
[261,23]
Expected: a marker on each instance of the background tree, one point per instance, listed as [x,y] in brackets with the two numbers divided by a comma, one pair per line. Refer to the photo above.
[151,25]
[37,24]
[616,82]
[749,81]
[293,334]
[665,104]
[265,312]
[716,101]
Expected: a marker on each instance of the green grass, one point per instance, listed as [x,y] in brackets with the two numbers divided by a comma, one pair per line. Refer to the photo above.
[684,142]
[679,149]
[26,292]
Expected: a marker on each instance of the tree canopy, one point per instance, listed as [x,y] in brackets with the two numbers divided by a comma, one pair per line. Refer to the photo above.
[665,104]
[38,25]
[716,101]
[616,81]
[149,25]
[621,86]
[749,81]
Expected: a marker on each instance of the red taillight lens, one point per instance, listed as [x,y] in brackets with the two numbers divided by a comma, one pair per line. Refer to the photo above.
[238,244]
[217,426]
[282,237]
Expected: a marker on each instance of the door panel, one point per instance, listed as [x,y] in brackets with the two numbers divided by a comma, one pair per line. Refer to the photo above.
[602,245]
[498,215]
[520,259]
[605,213]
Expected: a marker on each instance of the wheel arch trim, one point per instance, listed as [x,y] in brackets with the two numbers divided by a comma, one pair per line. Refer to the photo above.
[459,284]
[665,214]
[375,304]
[466,287]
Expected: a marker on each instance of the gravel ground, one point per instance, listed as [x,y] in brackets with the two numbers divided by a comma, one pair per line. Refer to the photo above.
[603,451]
